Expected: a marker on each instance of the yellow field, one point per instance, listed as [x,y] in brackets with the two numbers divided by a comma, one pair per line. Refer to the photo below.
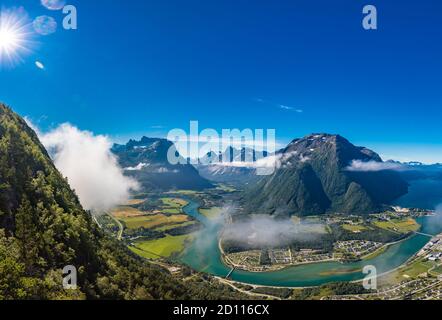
[399,225]
[126,212]
[211,213]
[164,247]
[153,221]
[133,202]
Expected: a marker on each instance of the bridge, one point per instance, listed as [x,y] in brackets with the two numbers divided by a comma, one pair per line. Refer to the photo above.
[230,273]
[424,234]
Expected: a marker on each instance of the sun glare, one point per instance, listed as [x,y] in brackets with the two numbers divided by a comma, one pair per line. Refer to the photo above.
[13,37]
[9,39]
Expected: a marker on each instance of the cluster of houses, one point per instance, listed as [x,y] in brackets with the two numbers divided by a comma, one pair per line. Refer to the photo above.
[434,255]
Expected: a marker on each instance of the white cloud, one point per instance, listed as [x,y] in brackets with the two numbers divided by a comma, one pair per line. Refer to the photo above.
[39,65]
[92,170]
[271,161]
[281,106]
[284,107]
[139,167]
[371,166]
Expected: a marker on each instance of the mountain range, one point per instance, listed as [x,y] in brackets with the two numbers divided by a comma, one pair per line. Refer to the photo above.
[234,166]
[314,176]
[146,161]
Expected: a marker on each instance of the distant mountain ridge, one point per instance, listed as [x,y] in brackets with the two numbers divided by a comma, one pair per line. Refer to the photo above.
[146,161]
[313,177]
[234,166]
[415,170]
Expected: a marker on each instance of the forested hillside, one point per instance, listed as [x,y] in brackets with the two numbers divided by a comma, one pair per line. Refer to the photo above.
[44,228]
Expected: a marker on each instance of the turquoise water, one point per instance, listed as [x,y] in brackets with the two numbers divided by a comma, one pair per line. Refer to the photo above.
[204,255]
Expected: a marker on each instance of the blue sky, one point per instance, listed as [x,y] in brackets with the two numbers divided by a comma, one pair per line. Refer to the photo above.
[145,67]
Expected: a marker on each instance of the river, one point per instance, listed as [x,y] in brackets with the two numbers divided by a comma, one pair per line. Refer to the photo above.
[204,255]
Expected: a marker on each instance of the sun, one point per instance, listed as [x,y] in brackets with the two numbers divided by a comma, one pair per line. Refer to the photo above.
[9,39]
[14,42]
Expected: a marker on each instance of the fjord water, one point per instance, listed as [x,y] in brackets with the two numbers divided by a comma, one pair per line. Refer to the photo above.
[204,255]
[423,193]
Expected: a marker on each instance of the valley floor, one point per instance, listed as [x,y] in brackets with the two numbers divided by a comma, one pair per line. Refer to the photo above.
[156,227]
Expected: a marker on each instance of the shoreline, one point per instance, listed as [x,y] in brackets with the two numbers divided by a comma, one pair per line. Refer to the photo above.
[227,264]
[318,286]
[378,251]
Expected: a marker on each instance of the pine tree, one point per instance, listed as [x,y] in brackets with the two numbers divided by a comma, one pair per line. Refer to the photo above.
[26,233]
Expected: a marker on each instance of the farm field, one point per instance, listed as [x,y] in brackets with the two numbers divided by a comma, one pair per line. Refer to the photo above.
[184,192]
[168,215]
[174,226]
[399,225]
[173,205]
[126,212]
[164,247]
[225,188]
[354,228]
[211,213]
[153,221]
[410,271]
[133,202]
[437,270]
[174,202]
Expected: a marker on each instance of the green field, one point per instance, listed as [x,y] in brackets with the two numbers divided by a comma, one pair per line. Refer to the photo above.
[399,225]
[437,270]
[184,192]
[225,188]
[174,202]
[414,269]
[164,247]
[354,228]
[176,225]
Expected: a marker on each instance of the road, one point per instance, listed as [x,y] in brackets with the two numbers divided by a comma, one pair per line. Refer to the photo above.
[120,226]
[247,292]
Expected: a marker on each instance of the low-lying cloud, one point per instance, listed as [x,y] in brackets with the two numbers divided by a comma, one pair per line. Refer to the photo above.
[91,168]
[270,161]
[373,166]
[436,222]
[266,231]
